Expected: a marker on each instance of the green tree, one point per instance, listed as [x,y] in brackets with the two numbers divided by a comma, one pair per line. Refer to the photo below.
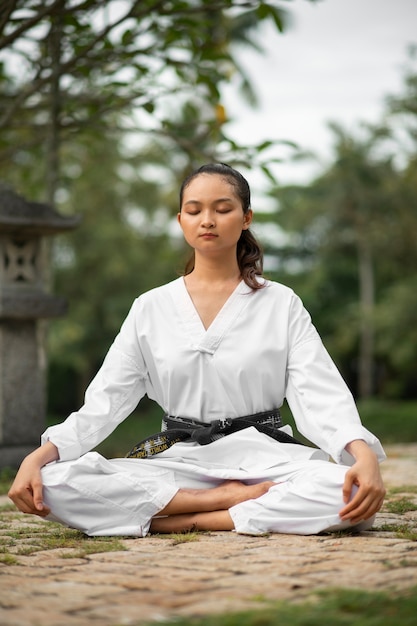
[397,309]
[70,65]
[339,226]
[123,248]
[350,249]
[111,104]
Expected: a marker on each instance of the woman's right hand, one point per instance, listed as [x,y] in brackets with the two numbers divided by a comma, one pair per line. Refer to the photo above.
[27,489]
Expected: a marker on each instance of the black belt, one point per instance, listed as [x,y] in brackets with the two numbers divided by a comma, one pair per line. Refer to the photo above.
[176,429]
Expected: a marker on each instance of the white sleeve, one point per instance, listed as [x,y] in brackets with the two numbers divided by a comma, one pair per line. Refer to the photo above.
[111,396]
[321,403]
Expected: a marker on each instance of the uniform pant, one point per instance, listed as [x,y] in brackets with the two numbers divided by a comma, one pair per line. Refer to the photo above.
[120,496]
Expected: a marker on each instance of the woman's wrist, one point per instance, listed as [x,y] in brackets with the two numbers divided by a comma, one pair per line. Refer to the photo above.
[359,448]
[44,454]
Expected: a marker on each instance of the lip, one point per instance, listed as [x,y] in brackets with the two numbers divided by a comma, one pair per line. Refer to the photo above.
[208,235]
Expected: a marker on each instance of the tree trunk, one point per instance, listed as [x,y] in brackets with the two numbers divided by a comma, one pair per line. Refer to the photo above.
[366,304]
[54,131]
[52,157]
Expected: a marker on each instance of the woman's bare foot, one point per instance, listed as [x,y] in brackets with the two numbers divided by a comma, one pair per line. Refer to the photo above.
[219,498]
[206,509]
[235,492]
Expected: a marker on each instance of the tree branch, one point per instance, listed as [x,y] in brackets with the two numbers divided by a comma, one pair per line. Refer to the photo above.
[5,12]
[27,24]
[38,83]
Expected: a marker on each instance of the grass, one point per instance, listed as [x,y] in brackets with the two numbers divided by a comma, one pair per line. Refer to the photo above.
[390,421]
[31,538]
[31,535]
[178,538]
[406,529]
[8,559]
[5,508]
[402,531]
[336,607]
[333,607]
[7,475]
[401,506]
[402,489]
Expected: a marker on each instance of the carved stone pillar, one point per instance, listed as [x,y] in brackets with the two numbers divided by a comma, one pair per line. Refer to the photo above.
[24,301]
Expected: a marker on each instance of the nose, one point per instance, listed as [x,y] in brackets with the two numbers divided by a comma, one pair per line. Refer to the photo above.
[207,219]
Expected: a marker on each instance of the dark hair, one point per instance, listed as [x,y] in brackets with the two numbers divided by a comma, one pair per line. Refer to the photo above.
[249,251]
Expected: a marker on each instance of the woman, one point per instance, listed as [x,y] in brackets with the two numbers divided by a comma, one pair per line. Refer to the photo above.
[212,347]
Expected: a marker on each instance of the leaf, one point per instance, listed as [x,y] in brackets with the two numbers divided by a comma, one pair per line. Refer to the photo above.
[269,174]
[149,107]
[278,15]
[127,37]
[264,145]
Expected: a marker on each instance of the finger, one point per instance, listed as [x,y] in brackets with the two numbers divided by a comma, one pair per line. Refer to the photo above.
[364,501]
[366,509]
[22,498]
[44,513]
[347,487]
[358,512]
[380,503]
[359,503]
[38,495]
[23,506]
[374,508]
[353,504]
[30,509]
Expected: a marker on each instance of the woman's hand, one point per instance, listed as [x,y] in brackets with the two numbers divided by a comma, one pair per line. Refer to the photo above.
[27,489]
[365,474]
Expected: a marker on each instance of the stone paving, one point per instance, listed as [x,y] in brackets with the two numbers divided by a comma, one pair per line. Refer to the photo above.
[159,579]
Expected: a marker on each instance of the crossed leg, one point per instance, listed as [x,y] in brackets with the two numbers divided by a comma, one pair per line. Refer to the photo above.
[205,509]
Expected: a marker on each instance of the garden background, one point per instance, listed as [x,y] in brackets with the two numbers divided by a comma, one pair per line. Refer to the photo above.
[105,106]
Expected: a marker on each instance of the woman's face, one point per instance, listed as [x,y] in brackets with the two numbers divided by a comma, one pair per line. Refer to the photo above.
[211,216]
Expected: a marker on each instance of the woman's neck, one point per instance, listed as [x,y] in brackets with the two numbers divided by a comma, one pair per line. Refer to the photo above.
[211,271]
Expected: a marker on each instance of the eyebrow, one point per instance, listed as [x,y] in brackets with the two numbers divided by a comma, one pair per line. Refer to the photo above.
[218,201]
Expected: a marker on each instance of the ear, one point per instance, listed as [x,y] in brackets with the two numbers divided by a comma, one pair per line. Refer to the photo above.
[247,219]
[179,218]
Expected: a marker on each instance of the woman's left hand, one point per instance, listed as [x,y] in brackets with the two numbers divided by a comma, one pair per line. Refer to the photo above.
[366,475]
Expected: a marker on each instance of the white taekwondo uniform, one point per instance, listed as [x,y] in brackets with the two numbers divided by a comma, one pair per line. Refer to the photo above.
[261,348]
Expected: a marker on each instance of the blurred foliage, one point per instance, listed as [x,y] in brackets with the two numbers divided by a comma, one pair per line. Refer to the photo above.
[70,68]
[104,107]
[351,251]
[335,606]
[121,249]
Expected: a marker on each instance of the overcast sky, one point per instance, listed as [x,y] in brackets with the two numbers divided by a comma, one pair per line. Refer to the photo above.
[337,61]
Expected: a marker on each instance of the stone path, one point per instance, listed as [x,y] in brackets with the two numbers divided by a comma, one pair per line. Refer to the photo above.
[158,579]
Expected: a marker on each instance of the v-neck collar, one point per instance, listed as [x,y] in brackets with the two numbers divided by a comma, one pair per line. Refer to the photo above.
[207,340]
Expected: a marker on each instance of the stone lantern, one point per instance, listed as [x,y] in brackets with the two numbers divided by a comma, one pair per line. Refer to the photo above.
[24,301]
